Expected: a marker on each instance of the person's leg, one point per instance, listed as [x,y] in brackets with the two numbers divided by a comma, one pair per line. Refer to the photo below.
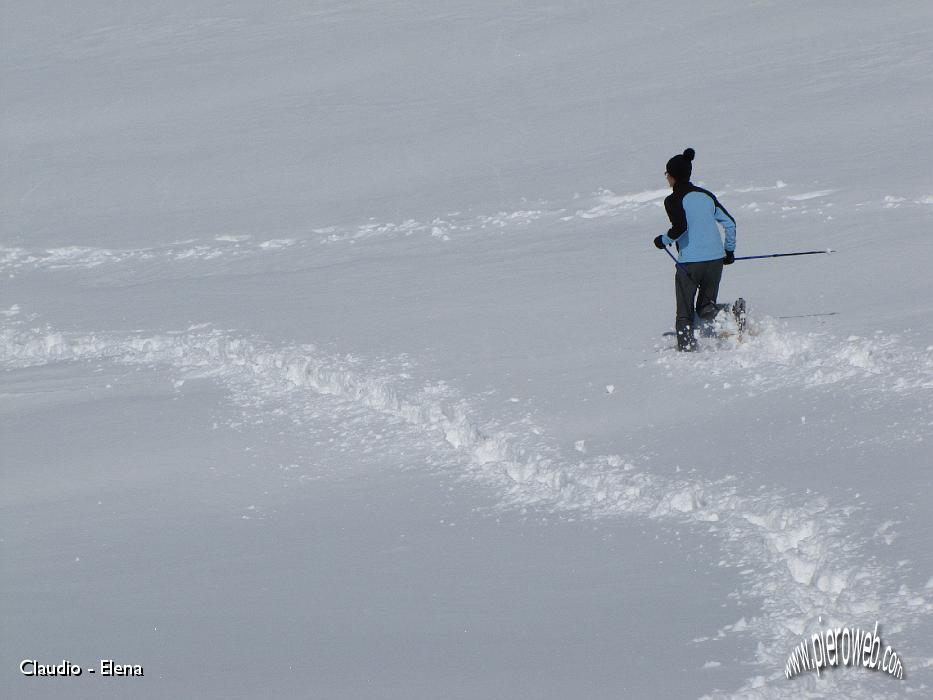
[685,289]
[708,278]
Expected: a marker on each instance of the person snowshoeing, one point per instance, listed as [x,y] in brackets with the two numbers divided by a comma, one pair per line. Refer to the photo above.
[694,214]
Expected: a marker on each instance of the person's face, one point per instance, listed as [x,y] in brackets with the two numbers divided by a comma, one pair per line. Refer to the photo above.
[670,180]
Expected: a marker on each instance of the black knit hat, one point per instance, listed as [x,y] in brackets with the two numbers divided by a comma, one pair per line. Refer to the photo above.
[680,167]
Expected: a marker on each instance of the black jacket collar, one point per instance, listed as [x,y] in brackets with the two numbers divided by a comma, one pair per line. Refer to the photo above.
[683,186]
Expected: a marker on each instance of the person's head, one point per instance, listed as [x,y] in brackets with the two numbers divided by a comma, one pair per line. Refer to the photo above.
[680,167]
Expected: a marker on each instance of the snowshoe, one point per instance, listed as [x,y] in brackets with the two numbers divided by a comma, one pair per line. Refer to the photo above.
[728,321]
[740,314]
[711,326]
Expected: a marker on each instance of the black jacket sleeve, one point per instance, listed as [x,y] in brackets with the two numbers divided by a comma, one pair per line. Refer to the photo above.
[674,206]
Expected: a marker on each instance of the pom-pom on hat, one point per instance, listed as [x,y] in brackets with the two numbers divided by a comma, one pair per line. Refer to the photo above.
[680,167]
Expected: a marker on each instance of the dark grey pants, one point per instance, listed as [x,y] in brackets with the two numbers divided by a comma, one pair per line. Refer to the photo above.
[696,286]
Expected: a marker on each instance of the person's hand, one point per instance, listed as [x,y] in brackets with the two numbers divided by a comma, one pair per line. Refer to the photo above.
[658,243]
[730,257]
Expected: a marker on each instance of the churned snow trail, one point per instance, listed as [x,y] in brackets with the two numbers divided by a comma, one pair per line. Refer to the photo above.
[771,357]
[805,558]
[630,207]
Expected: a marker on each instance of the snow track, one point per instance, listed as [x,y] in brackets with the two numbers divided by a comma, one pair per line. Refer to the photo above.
[772,357]
[634,208]
[807,558]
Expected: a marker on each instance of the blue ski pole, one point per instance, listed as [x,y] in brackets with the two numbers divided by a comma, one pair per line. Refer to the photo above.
[784,255]
[679,264]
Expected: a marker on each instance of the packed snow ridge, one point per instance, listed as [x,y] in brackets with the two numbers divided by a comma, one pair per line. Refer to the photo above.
[232,246]
[806,560]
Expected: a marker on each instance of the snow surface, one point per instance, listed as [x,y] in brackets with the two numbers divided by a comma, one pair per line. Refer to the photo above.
[331,337]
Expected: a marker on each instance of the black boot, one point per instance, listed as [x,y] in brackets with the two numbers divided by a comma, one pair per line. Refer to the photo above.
[686,342]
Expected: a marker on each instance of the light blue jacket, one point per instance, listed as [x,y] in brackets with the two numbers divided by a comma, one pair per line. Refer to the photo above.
[695,216]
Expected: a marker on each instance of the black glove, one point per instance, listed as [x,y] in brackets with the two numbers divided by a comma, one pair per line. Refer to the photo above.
[658,244]
[730,257]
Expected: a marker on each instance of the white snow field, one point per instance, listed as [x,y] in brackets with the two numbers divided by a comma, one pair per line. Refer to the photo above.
[332,353]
